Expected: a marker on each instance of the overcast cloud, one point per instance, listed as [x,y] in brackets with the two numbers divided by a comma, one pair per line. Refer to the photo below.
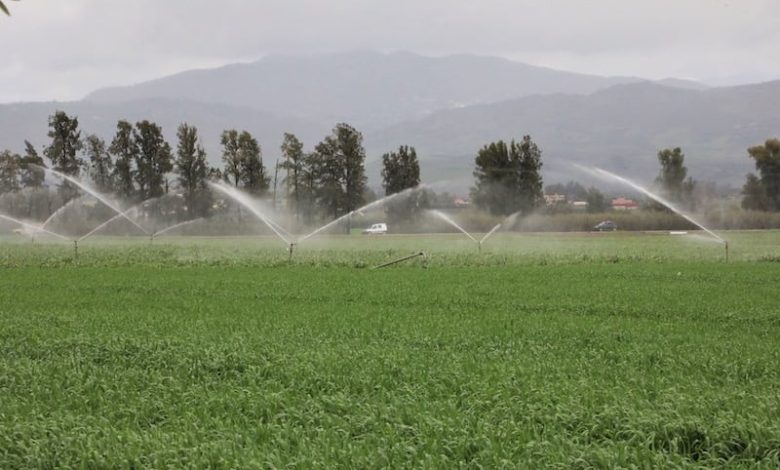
[63,49]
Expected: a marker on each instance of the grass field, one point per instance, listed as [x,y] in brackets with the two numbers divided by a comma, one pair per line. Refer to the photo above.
[559,350]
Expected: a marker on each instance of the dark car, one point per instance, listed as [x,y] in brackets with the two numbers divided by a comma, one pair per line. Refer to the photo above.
[605,226]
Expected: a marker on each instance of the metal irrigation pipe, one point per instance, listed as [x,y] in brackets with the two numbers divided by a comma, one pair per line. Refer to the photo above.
[399,260]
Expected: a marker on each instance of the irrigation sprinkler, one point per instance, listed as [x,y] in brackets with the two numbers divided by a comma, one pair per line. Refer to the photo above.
[155,234]
[360,210]
[245,201]
[448,220]
[35,228]
[92,192]
[608,175]
[604,174]
[290,250]
[75,250]
[487,235]
[405,258]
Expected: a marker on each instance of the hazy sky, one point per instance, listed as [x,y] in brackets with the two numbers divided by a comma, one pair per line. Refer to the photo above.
[62,49]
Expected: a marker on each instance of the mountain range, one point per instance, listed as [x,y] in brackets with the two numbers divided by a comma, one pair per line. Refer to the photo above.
[447,107]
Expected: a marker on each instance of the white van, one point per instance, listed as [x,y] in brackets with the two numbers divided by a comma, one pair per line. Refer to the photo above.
[376,229]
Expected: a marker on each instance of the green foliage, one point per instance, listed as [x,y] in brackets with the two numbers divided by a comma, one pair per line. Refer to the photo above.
[295,164]
[754,195]
[400,171]
[231,157]
[10,168]
[63,150]
[508,178]
[171,358]
[101,168]
[192,170]
[672,177]
[32,175]
[125,150]
[767,159]
[243,161]
[152,161]
[596,200]
[338,169]
[65,143]
[253,176]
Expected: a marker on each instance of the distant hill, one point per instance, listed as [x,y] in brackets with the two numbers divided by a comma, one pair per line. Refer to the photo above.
[369,89]
[447,107]
[22,121]
[620,128]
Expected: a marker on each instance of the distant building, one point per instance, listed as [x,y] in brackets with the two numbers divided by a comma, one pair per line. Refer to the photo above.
[579,205]
[555,198]
[624,204]
[461,202]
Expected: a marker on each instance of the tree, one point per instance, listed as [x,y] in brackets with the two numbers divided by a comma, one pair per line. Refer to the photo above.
[294,163]
[494,178]
[308,186]
[672,175]
[9,171]
[100,165]
[754,195]
[252,171]
[529,162]
[62,152]
[66,142]
[767,160]
[327,171]
[32,174]
[192,171]
[215,174]
[400,171]
[152,161]
[340,161]
[597,202]
[508,177]
[125,151]
[231,157]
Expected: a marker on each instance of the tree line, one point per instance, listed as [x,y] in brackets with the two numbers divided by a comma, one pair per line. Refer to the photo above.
[138,164]
[325,183]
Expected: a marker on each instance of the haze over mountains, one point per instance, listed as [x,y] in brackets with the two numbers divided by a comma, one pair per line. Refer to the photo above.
[447,107]
[369,89]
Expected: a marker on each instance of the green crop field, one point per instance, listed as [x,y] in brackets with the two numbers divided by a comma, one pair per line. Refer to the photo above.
[542,350]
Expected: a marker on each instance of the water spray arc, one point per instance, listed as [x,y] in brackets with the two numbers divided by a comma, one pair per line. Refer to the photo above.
[172,227]
[109,221]
[487,235]
[366,207]
[92,192]
[447,219]
[608,175]
[34,228]
[245,201]
[61,209]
